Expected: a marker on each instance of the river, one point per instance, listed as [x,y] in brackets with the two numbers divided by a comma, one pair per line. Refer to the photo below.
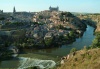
[46,58]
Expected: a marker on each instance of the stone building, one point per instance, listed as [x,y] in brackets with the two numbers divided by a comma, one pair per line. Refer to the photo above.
[54,8]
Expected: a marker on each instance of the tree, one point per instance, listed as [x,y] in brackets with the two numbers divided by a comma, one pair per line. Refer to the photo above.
[61,37]
[71,34]
[67,14]
[66,37]
[48,41]
[96,41]
[40,16]
[2,18]
[73,50]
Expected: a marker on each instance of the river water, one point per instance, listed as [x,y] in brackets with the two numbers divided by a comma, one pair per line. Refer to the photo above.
[47,58]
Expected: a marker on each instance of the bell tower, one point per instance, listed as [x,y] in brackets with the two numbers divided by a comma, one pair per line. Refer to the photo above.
[14,10]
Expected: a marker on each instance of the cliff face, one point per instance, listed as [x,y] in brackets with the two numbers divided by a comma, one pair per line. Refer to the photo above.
[93,19]
[83,59]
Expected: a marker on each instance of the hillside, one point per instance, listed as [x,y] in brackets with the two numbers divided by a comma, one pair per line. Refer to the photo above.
[66,19]
[93,19]
[83,59]
[87,58]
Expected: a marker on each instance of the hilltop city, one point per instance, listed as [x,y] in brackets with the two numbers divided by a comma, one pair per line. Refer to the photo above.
[40,26]
[45,30]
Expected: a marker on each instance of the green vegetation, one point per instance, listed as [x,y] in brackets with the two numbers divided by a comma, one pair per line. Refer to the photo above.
[96,41]
[5,54]
[20,40]
[35,67]
[36,23]
[40,17]
[2,18]
[67,14]
[48,41]
[24,42]
[63,16]
[68,38]
[73,50]
[60,27]
[72,34]
[14,24]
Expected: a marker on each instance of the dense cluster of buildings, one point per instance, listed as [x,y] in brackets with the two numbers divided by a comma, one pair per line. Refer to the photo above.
[49,19]
[28,16]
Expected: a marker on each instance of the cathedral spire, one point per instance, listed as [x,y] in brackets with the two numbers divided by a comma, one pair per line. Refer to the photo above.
[14,10]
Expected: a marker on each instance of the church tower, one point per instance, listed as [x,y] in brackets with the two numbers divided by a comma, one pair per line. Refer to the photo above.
[14,10]
[57,8]
[50,8]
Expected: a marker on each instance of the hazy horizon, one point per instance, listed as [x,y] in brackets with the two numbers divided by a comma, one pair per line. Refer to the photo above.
[85,6]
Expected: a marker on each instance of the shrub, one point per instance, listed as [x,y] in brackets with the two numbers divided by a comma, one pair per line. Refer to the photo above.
[83,55]
[85,48]
[75,59]
[48,41]
[73,50]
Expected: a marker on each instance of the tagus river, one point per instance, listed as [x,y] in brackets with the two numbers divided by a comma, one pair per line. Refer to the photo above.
[48,58]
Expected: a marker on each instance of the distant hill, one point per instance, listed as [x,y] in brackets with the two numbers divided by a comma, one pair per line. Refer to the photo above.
[92,19]
[83,13]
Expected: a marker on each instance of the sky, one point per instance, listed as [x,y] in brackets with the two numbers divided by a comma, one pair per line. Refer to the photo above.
[89,6]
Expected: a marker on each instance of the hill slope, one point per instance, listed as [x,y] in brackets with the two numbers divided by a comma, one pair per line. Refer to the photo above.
[83,59]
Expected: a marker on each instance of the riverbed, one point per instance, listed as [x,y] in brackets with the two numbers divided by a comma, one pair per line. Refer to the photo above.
[48,57]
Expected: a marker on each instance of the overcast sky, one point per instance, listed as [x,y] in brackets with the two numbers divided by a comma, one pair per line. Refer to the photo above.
[90,6]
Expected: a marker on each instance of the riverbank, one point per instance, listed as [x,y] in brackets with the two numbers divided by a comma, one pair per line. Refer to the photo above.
[87,58]
[83,59]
